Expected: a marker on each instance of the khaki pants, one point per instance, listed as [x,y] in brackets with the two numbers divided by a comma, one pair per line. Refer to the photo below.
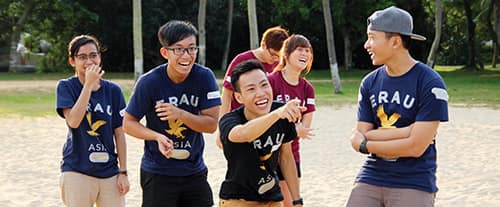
[79,190]
[244,203]
[375,196]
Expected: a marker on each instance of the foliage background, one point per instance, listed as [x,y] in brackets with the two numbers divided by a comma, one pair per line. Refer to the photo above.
[57,21]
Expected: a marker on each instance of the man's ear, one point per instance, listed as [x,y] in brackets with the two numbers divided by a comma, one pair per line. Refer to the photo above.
[397,41]
[237,96]
[164,52]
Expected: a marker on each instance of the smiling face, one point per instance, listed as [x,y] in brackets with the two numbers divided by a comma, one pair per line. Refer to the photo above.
[379,47]
[179,66]
[299,58]
[255,93]
[84,57]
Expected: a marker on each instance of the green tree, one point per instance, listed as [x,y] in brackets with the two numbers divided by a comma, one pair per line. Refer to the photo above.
[332,57]
[431,59]
[473,60]
[228,32]
[202,10]
[137,28]
[252,24]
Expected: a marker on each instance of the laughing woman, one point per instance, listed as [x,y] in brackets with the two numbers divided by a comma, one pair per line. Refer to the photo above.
[92,172]
[288,83]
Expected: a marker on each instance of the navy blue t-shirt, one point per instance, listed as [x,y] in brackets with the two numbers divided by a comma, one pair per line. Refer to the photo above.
[90,148]
[199,91]
[387,102]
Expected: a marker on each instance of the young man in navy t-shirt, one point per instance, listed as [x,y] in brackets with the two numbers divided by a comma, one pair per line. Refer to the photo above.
[180,100]
[401,105]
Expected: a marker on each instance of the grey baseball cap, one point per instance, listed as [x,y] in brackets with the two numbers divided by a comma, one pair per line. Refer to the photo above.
[395,20]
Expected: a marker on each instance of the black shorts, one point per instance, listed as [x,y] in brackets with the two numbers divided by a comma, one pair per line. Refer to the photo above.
[280,175]
[176,191]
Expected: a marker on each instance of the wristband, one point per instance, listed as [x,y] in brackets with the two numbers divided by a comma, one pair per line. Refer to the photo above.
[123,172]
[362,147]
[298,202]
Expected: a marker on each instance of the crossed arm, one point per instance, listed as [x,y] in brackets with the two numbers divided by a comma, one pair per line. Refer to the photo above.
[411,141]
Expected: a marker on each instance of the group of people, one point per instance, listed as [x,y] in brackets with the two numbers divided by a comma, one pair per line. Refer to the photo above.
[266,107]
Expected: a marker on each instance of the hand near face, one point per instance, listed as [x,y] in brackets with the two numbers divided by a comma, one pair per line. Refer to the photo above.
[93,75]
[292,111]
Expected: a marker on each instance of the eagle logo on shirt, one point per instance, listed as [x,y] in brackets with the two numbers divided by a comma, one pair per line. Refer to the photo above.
[176,128]
[94,126]
[264,158]
[386,122]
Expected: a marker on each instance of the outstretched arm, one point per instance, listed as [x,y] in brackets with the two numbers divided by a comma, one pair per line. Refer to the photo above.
[254,128]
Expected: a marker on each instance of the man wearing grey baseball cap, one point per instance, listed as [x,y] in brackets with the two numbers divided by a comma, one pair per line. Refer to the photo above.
[400,107]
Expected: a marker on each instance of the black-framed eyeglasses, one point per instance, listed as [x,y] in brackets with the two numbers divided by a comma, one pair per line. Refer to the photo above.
[85,57]
[180,51]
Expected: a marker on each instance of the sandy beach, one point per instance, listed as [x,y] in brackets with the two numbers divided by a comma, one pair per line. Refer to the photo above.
[468,169]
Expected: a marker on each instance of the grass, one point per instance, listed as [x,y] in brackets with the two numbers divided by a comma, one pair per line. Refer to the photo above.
[465,88]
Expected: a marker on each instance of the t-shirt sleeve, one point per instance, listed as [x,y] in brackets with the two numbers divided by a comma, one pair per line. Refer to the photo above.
[226,83]
[434,105]
[310,98]
[119,107]
[237,60]
[226,124]
[212,97]
[364,107]
[139,101]
[64,97]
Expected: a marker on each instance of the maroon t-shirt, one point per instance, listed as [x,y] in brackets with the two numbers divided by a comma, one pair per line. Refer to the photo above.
[284,92]
[244,56]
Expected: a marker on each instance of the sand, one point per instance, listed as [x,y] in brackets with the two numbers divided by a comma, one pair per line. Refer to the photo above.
[468,169]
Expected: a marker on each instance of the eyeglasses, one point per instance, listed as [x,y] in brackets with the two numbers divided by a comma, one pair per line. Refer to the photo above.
[180,51]
[85,57]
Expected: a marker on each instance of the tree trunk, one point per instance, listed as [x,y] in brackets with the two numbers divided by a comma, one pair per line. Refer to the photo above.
[334,69]
[229,31]
[431,59]
[137,33]
[496,13]
[252,24]
[17,29]
[472,59]
[491,30]
[202,8]
[347,48]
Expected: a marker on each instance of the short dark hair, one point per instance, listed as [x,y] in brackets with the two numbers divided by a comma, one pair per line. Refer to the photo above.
[174,31]
[274,37]
[80,40]
[404,38]
[243,68]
